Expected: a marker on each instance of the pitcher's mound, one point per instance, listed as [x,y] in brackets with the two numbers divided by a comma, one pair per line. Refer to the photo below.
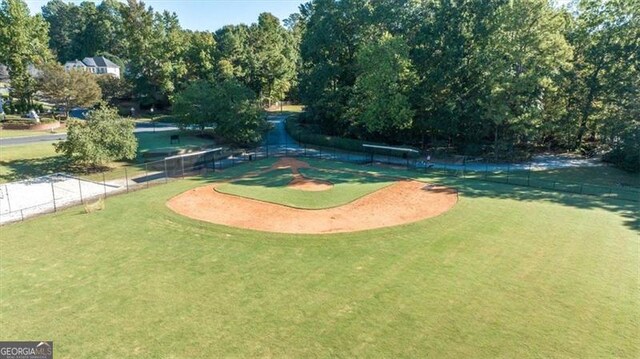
[403,202]
[309,184]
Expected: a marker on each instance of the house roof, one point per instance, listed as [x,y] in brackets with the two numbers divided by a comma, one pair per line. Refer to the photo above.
[99,61]
[75,63]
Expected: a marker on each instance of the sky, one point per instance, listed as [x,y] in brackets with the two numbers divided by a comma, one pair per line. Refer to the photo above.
[211,14]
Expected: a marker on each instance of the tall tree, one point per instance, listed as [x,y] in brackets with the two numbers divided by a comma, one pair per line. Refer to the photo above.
[232,52]
[228,106]
[200,55]
[69,89]
[272,62]
[524,52]
[605,36]
[78,31]
[380,102]
[155,50]
[23,40]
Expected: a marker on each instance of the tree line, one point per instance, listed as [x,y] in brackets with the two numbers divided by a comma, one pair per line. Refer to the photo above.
[489,76]
[486,77]
[158,56]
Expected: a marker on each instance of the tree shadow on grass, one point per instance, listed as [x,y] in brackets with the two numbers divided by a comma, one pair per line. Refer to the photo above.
[629,210]
[23,169]
[17,170]
[282,177]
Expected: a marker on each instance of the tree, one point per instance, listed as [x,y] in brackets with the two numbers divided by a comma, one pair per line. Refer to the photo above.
[113,88]
[69,89]
[272,59]
[23,40]
[156,46]
[103,138]
[380,103]
[229,107]
[200,55]
[78,31]
[524,51]
[605,37]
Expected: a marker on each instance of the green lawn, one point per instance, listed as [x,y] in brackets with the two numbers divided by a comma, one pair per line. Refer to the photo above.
[271,187]
[19,162]
[601,180]
[286,108]
[504,274]
[162,139]
[32,160]
[25,133]
[600,176]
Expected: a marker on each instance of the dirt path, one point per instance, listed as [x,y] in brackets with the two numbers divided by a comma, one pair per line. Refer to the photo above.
[400,203]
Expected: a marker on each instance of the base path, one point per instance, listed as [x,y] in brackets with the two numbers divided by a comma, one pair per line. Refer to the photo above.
[400,203]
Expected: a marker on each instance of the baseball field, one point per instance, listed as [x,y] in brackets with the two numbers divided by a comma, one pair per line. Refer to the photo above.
[312,258]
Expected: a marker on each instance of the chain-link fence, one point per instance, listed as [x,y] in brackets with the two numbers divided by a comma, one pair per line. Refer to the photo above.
[47,194]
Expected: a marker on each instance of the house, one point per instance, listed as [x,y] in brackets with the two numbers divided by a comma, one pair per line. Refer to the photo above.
[96,65]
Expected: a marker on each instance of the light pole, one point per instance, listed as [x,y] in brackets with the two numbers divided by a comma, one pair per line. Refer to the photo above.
[153,122]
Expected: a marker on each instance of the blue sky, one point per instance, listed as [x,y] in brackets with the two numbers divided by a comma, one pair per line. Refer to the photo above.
[211,14]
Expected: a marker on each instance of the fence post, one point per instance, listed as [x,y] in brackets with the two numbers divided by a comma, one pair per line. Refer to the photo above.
[126,179]
[104,185]
[80,188]
[486,167]
[53,193]
[182,165]
[146,174]
[6,190]
[22,215]
[166,173]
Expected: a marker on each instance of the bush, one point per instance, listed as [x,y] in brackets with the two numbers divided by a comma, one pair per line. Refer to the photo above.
[305,134]
[626,150]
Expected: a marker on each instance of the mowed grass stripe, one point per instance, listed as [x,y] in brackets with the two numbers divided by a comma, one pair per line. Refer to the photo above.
[503,274]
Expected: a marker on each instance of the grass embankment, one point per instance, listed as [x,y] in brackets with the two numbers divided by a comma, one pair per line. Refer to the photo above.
[38,159]
[272,187]
[310,134]
[504,274]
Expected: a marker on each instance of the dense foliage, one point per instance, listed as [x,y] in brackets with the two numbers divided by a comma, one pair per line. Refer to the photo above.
[229,108]
[104,137]
[23,44]
[477,76]
[69,89]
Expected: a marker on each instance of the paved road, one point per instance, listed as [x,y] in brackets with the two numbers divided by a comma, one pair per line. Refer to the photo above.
[140,127]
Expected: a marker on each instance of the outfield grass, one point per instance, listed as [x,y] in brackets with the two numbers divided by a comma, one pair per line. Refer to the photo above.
[504,274]
[606,176]
[271,187]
